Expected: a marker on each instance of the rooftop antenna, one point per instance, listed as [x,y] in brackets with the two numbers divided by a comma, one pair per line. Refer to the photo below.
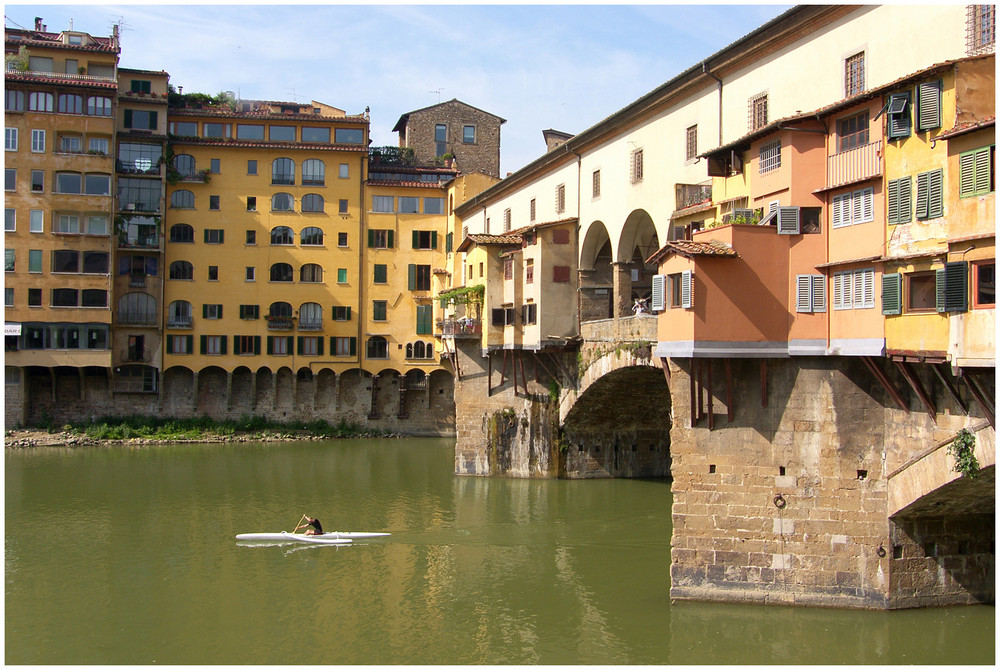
[438,91]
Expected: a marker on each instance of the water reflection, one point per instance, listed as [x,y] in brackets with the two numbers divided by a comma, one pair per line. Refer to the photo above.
[144,568]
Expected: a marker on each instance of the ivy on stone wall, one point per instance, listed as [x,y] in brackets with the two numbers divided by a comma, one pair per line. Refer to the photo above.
[962,449]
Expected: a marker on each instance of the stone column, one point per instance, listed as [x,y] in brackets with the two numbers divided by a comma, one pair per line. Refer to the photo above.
[621,273]
[229,391]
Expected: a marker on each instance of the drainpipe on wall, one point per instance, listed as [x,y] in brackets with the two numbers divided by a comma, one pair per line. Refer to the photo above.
[704,68]
[362,239]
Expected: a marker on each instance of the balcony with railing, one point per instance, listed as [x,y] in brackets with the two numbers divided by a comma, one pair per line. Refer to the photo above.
[853,165]
[689,195]
[311,325]
[179,321]
[280,322]
[138,167]
[464,327]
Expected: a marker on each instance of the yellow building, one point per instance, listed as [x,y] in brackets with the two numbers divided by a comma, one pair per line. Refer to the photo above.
[264,237]
[59,137]
[940,214]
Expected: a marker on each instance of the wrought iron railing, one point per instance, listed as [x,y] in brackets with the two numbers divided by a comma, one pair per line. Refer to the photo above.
[462,327]
[689,195]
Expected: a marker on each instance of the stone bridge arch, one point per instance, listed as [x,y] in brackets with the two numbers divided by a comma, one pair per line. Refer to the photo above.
[616,423]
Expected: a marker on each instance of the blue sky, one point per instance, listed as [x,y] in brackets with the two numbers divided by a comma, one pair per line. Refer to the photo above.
[538,66]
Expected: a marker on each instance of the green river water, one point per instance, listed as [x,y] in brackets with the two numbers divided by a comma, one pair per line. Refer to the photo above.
[126,555]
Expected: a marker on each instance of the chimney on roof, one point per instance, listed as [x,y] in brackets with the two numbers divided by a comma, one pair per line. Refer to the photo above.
[38,24]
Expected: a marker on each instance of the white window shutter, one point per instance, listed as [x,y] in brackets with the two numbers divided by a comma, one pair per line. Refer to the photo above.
[859,288]
[867,204]
[658,302]
[837,216]
[856,207]
[803,293]
[868,287]
[847,296]
[788,221]
[838,290]
[818,293]
[687,290]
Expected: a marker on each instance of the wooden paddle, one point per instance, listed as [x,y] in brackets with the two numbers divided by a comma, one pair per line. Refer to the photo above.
[297,522]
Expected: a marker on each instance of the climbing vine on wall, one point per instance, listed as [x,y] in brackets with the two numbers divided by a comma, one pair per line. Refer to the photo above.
[962,449]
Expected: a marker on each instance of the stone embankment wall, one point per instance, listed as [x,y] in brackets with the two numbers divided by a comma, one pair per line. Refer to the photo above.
[788,502]
[428,410]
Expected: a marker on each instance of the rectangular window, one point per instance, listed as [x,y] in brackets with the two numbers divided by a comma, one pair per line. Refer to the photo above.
[246,345]
[10,179]
[341,239]
[213,202]
[38,141]
[433,205]
[9,220]
[180,344]
[770,156]
[529,314]
[63,261]
[277,345]
[380,239]
[440,139]
[10,139]
[635,166]
[897,111]
[930,195]
[213,273]
[342,206]
[854,207]
[214,235]
[67,223]
[378,310]
[984,290]
[251,203]
[281,133]
[97,225]
[212,130]
[383,203]
[316,135]
[758,112]
[38,181]
[70,144]
[529,271]
[97,184]
[418,277]
[381,275]
[251,167]
[250,273]
[8,260]
[691,143]
[560,198]
[349,136]
[249,131]
[35,260]
[36,221]
[8,297]
[679,286]
[213,345]
[251,237]
[141,119]
[975,170]
[215,165]
[98,145]
[345,171]
[469,134]
[408,205]
[854,74]
[424,239]
[344,346]
[34,297]
[140,86]
[852,132]
[854,289]
[213,311]
[810,293]
[921,292]
[310,346]
[249,312]
[341,312]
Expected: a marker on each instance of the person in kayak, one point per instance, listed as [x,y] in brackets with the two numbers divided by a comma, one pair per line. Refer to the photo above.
[317,528]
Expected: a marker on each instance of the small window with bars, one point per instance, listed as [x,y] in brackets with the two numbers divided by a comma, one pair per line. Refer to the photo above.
[758,111]
[636,166]
[854,74]
[560,200]
[691,143]
[981,29]
[770,156]
[506,220]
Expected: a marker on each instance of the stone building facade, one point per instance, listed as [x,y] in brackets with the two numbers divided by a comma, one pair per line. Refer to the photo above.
[470,135]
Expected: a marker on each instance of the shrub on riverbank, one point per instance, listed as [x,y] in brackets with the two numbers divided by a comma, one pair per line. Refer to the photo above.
[157,428]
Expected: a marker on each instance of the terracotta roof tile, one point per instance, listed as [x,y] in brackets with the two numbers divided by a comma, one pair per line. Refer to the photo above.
[689,248]
[407,184]
[260,144]
[967,127]
[60,80]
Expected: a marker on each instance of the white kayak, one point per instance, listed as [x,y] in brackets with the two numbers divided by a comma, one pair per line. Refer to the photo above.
[326,537]
[293,537]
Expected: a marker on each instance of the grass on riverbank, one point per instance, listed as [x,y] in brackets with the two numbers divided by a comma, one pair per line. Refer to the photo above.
[155,428]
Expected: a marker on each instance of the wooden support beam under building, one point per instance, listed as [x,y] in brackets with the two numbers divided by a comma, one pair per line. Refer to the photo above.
[886,383]
[982,397]
[944,376]
[918,388]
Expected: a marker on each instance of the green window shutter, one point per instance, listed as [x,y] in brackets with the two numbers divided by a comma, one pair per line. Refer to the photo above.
[222,236]
[219,312]
[371,238]
[256,345]
[381,274]
[411,277]
[270,345]
[939,290]
[956,287]
[348,312]
[922,195]
[333,344]
[128,118]
[301,345]
[434,239]
[967,174]
[190,343]
[389,239]
[243,311]
[290,344]
[935,194]
[898,117]
[236,345]
[892,201]
[204,311]
[449,241]
[170,344]
[354,346]
[205,235]
[929,105]
[222,345]
[905,200]
[152,121]
[416,239]
[892,294]
[203,343]
[984,170]
[319,346]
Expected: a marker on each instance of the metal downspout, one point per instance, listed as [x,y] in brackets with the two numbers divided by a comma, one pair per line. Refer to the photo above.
[362,241]
[704,68]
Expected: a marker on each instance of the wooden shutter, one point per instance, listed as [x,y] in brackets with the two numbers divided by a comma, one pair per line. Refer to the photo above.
[687,289]
[905,200]
[416,240]
[967,173]
[256,345]
[803,293]
[953,287]
[837,212]
[371,238]
[868,288]
[984,170]
[190,344]
[892,294]
[788,221]
[448,242]
[434,239]
[203,343]
[658,301]
[348,312]
[935,194]
[354,346]
[319,346]
[222,344]
[818,293]
[867,204]
[204,311]
[170,344]
[923,181]
[270,345]
[496,316]
[411,277]
[838,290]
[929,105]
[389,239]
[898,123]
[892,201]
[236,345]
[128,118]
[300,344]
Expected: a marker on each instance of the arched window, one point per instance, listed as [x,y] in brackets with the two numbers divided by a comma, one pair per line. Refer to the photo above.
[312,202]
[409,349]
[283,171]
[313,172]
[311,273]
[418,349]
[311,236]
[377,347]
[181,270]
[70,104]
[137,307]
[282,235]
[279,310]
[184,164]
[182,199]
[281,272]
[181,232]
[430,350]
[282,202]
[179,314]
[310,316]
